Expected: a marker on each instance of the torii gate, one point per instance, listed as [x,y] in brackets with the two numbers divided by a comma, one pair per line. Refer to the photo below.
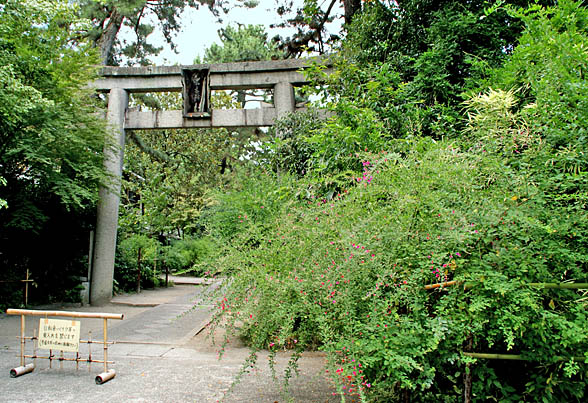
[195,82]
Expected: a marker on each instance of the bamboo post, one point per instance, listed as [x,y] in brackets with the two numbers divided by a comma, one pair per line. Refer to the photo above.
[22,340]
[35,342]
[107,374]
[90,258]
[26,302]
[89,351]
[105,344]
[438,285]
[155,262]
[69,314]
[556,286]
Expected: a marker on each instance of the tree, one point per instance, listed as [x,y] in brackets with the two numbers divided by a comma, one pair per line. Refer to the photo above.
[420,53]
[244,43]
[51,139]
[310,25]
[109,16]
[492,212]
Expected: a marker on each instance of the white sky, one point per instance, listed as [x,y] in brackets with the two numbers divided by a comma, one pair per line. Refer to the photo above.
[200,27]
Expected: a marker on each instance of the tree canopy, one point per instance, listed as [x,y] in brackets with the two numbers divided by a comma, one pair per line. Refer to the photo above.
[109,16]
[51,138]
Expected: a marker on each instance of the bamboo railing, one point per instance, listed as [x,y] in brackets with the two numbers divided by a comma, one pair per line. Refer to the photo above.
[25,369]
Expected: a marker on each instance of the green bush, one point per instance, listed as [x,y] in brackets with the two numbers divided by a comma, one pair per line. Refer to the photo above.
[127,263]
[187,255]
[497,209]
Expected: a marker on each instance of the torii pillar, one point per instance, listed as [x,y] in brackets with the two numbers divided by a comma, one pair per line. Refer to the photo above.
[107,216]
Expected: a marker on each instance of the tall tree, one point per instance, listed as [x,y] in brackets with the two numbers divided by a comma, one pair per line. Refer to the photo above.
[309,23]
[109,16]
[51,139]
[169,173]
[244,43]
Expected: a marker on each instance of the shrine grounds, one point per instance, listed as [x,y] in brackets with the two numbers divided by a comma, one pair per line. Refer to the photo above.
[161,354]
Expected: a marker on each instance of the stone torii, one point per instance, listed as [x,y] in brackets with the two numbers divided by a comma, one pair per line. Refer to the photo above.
[195,82]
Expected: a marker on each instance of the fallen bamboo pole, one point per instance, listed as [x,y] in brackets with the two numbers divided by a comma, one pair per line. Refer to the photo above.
[69,314]
[18,371]
[514,357]
[439,285]
[561,286]
[557,286]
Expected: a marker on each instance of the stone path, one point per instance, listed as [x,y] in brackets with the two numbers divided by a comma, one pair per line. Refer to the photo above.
[161,355]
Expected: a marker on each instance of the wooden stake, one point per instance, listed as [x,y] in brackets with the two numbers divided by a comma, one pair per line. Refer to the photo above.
[27,289]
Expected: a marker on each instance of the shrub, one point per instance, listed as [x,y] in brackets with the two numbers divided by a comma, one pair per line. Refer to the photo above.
[497,210]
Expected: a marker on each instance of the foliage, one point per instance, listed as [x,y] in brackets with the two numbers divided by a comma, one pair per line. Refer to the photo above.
[109,16]
[495,205]
[245,43]
[51,142]
[288,149]
[188,255]
[409,61]
[308,26]
[170,175]
[137,252]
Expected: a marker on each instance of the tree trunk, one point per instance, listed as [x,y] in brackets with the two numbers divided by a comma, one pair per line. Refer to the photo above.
[106,40]
[139,271]
[351,8]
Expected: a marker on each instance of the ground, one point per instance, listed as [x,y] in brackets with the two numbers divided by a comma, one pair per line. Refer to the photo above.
[162,354]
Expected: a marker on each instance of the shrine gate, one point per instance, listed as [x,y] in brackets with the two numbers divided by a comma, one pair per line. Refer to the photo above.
[196,83]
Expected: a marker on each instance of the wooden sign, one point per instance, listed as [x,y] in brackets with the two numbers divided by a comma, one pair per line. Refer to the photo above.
[57,334]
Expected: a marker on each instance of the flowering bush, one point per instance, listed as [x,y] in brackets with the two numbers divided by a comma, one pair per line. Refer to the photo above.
[483,220]
[347,276]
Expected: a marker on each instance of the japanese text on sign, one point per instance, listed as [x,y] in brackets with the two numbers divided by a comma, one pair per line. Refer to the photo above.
[56,334]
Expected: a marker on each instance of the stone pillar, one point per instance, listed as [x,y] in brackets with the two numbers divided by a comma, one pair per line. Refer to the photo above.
[284,98]
[107,217]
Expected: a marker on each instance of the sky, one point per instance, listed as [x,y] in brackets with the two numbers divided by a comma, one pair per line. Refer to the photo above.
[200,29]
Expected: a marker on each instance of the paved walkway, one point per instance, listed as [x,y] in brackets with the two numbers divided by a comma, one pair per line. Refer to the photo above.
[161,355]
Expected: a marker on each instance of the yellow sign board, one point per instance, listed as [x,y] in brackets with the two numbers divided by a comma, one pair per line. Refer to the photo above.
[57,334]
